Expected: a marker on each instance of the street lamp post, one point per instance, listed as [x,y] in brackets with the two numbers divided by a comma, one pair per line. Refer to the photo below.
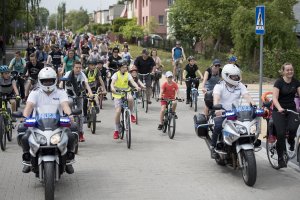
[4,32]
[27,27]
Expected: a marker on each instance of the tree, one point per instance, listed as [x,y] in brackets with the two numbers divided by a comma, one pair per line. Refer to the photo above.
[132,30]
[151,25]
[52,21]
[43,16]
[118,23]
[76,19]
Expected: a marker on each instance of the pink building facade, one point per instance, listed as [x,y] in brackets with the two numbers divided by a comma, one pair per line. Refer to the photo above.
[144,9]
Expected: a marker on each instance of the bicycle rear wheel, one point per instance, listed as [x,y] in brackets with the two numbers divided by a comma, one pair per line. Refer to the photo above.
[122,127]
[165,123]
[128,129]
[195,101]
[2,134]
[191,99]
[272,154]
[143,98]
[93,120]
[136,109]
[171,126]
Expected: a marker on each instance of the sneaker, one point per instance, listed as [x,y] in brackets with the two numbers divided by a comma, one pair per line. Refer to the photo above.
[175,116]
[116,135]
[213,153]
[133,119]
[272,139]
[160,126]
[282,163]
[149,102]
[26,169]
[104,98]
[69,169]
[81,138]
[187,101]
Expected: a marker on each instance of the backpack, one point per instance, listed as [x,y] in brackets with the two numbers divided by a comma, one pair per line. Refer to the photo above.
[16,62]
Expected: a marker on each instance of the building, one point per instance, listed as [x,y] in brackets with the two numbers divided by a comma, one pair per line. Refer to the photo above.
[97,16]
[115,11]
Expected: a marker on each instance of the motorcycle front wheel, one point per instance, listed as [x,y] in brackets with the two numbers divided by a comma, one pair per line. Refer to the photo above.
[49,179]
[248,167]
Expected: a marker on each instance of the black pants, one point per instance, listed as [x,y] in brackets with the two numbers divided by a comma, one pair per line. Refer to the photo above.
[21,83]
[284,123]
[189,87]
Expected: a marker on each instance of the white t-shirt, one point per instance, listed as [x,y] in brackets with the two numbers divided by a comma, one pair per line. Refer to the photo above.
[38,97]
[115,76]
[228,95]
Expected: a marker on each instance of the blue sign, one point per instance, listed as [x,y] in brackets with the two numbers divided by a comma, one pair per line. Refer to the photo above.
[260,20]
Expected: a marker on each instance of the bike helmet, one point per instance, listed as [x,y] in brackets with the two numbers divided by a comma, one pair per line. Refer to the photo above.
[191,58]
[231,70]
[232,59]
[4,68]
[47,79]
[169,74]
[122,62]
[134,68]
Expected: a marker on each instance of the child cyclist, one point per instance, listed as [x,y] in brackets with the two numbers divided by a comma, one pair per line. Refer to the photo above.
[169,90]
[8,86]
[120,80]
[134,73]
[95,82]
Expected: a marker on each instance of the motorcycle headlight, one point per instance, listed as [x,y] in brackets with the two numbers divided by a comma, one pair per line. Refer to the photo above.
[242,130]
[253,129]
[40,139]
[55,139]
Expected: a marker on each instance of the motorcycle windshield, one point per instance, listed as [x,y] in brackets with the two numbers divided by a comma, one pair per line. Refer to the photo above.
[47,117]
[244,113]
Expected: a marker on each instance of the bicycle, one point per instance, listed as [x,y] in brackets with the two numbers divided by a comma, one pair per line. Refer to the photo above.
[271,142]
[156,84]
[194,93]
[169,121]
[110,72]
[6,125]
[125,123]
[144,94]
[135,105]
[178,71]
[92,114]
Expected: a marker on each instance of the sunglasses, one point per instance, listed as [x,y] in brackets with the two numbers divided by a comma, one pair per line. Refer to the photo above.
[217,65]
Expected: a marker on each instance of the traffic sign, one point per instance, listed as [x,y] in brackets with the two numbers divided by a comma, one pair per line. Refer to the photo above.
[260,20]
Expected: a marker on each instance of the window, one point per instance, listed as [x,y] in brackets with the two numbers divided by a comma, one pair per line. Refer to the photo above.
[135,3]
[161,19]
[143,20]
[170,2]
[143,3]
[146,2]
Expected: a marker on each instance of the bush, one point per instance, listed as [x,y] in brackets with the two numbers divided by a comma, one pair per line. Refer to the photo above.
[274,59]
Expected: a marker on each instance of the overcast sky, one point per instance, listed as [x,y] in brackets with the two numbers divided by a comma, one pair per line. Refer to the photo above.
[89,5]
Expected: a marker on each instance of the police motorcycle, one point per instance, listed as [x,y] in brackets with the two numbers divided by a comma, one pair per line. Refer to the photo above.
[48,142]
[238,141]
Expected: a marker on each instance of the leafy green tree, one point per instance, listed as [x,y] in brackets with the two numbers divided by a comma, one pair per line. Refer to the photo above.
[151,25]
[52,21]
[132,30]
[118,23]
[43,16]
[76,19]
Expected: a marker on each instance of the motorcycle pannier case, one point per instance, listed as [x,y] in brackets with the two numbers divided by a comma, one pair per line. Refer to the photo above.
[208,99]
[201,126]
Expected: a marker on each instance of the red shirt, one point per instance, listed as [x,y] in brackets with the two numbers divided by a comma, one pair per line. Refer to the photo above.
[169,90]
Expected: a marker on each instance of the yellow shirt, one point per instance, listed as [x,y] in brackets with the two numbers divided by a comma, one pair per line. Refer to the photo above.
[121,83]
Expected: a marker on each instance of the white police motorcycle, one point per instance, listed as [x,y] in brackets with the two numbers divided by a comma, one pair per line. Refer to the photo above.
[238,141]
[48,142]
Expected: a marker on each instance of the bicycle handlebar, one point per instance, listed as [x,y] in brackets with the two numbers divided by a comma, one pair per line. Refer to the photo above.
[291,111]
[166,99]
[144,74]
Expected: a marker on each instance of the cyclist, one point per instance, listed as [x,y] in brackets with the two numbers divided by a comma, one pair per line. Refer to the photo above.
[126,55]
[177,55]
[56,58]
[8,86]
[94,56]
[41,55]
[103,47]
[191,70]
[75,88]
[145,64]
[120,80]
[113,60]
[134,73]
[227,92]
[32,70]
[169,90]
[47,93]
[232,60]
[95,81]
[69,61]
[85,52]
[30,50]
[284,91]
[18,64]
[212,76]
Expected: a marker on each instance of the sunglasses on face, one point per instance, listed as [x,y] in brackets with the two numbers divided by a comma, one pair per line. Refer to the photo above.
[217,65]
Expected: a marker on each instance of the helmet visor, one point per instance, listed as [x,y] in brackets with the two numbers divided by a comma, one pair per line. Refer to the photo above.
[48,82]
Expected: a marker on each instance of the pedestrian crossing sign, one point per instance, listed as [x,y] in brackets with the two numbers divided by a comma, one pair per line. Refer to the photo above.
[260,20]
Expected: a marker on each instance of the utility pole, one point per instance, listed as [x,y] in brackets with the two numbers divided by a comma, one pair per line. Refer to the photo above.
[4,32]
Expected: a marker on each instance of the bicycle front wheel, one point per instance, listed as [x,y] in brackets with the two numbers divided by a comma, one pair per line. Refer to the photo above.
[136,110]
[171,126]
[127,128]
[9,127]
[93,120]
[195,101]
[100,101]
[143,99]
[2,134]
[272,153]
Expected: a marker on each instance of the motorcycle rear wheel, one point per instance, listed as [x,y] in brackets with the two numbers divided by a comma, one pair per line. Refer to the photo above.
[248,167]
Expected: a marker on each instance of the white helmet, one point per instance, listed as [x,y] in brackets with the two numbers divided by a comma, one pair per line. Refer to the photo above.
[48,74]
[231,70]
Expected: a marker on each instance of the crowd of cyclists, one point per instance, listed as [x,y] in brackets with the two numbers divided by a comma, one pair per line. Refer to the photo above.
[58,66]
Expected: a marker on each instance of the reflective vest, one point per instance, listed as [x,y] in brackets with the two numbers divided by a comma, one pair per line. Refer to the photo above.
[92,76]
[121,84]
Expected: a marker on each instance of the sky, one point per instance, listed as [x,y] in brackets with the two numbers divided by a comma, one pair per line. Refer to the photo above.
[89,5]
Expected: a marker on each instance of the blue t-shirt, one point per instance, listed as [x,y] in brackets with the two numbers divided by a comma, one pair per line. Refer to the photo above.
[177,53]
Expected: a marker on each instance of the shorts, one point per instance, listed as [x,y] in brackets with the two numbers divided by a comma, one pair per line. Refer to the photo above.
[163,103]
[118,102]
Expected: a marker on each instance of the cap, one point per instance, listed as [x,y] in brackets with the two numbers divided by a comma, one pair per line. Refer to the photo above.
[145,51]
[216,62]
[232,59]
[169,74]
[95,49]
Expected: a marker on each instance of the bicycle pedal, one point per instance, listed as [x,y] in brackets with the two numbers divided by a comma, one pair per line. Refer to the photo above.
[98,121]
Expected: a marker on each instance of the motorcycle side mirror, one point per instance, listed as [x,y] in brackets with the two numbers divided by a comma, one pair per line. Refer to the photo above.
[17,114]
[76,111]
[217,107]
[64,79]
